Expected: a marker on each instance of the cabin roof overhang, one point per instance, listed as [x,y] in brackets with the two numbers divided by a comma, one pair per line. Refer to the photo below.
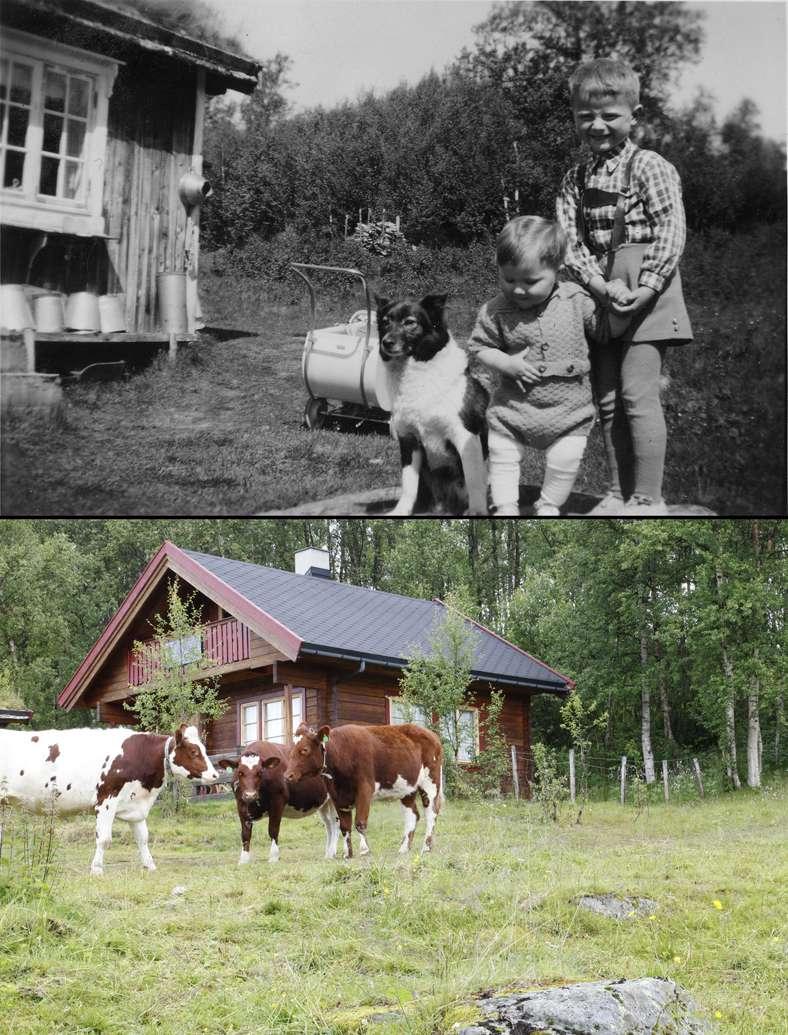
[108,28]
[170,559]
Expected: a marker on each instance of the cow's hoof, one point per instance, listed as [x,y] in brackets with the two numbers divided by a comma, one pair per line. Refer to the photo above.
[244,859]
[96,871]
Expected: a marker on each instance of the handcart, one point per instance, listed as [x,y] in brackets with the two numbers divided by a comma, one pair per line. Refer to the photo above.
[341,365]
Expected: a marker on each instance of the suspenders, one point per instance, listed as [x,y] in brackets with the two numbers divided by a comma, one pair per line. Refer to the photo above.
[619,217]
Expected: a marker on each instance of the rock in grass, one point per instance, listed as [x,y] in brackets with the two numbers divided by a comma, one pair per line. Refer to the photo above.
[645,1006]
[617,908]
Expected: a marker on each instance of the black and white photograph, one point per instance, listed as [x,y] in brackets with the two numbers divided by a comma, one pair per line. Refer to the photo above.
[374,257]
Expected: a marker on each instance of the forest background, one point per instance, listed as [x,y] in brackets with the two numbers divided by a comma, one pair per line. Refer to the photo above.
[674,631]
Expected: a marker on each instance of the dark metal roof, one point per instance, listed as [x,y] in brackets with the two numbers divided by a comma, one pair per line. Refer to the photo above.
[334,618]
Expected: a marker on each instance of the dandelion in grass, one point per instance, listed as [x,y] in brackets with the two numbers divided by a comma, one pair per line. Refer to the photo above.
[652,916]
[717,904]
[717,1015]
[677,959]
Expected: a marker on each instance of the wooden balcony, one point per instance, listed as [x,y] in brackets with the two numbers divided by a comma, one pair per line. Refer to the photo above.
[221,643]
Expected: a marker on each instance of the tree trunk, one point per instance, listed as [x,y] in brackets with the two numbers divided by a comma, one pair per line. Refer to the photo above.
[645,712]
[753,735]
[779,710]
[731,764]
[664,701]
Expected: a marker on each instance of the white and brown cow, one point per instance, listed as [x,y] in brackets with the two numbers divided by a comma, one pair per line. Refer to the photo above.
[116,772]
[365,762]
[260,789]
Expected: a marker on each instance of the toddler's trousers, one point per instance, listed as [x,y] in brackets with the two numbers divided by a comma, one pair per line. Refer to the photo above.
[626,382]
[562,462]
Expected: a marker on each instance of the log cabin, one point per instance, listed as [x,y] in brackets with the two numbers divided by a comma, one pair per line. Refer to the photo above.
[288,647]
[101,169]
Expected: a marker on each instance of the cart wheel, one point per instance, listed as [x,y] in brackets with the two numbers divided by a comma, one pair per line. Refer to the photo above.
[315,414]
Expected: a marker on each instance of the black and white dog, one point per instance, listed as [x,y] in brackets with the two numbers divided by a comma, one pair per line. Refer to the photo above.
[437,409]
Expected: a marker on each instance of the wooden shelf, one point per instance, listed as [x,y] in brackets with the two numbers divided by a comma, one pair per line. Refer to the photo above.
[140,337]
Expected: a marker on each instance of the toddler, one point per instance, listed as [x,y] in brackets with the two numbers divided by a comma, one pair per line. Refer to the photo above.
[624,215]
[533,333]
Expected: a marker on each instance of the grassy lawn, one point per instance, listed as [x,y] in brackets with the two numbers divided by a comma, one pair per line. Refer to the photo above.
[387,944]
[219,431]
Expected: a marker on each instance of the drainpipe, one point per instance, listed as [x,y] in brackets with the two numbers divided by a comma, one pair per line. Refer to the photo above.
[335,692]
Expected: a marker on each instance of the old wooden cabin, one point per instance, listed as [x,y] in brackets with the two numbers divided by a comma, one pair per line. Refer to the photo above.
[293,646]
[101,171]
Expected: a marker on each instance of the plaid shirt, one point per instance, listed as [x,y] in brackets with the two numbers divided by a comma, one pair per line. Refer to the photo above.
[655,214]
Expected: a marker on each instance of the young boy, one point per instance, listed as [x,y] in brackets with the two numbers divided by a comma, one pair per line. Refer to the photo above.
[533,333]
[624,215]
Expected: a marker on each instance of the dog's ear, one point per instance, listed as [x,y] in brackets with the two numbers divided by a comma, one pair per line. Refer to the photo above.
[434,305]
[381,303]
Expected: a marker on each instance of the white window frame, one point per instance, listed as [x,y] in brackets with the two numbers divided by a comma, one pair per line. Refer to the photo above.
[397,719]
[28,208]
[260,703]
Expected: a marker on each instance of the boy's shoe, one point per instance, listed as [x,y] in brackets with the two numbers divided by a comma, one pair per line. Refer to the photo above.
[636,507]
[609,506]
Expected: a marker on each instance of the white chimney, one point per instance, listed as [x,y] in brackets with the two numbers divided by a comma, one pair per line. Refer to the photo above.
[312,561]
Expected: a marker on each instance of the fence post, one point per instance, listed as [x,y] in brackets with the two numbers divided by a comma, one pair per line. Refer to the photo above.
[665,779]
[515,774]
[572,775]
[698,777]
[623,778]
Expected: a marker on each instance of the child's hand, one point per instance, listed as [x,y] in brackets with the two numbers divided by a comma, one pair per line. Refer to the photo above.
[523,372]
[638,298]
[618,293]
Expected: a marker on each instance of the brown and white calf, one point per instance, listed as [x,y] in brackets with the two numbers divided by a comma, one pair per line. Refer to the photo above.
[260,789]
[118,773]
[365,762]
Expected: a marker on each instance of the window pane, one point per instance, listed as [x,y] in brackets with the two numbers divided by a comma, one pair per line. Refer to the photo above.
[14,169]
[53,129]
[55,91]
[2,118]
[71,189]
[275,721]
[401,713]
[249,723]
[21,83]
[78,97]
[75,138]
[3,79]
[467,736]
[49,168]
[295,711]
[17,126]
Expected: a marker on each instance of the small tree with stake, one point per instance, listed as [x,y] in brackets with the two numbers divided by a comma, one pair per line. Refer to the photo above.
[176,689]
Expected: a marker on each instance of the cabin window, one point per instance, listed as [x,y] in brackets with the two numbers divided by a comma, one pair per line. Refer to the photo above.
[183,651]
[273,717]
[53,134]
[467,726]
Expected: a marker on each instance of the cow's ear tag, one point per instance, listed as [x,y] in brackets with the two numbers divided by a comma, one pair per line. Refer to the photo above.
[324,740]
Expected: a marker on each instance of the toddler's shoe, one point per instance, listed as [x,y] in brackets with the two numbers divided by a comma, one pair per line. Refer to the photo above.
[644,507]
[609,506]
[544,509]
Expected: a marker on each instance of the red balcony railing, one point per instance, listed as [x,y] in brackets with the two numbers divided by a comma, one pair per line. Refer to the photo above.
[222,643]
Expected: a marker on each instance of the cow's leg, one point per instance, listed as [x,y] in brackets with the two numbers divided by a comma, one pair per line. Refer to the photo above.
[410,813]
[364,795]
[140,830]
[274,824]
[431,798]
[246,839]
[105,816]
[345,824]
[331,823]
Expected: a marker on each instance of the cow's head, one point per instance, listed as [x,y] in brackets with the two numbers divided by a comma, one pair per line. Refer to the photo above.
[308,754]
[187,755]
[250,773]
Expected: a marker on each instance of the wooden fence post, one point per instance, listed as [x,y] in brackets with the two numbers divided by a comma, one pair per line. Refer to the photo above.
[572,775]
[665,779]
[623,778]
[515,774]
[698,777]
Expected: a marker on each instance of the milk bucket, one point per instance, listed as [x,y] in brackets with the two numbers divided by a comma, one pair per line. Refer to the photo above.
[82,312]
[15,314]
[171,288]
[49,313]
[112,314]
[193,189]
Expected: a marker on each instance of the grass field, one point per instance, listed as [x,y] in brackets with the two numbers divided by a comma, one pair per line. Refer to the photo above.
[219,432]
[387,944]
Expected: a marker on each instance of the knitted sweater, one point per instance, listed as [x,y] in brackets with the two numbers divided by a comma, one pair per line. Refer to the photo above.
[554,337]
